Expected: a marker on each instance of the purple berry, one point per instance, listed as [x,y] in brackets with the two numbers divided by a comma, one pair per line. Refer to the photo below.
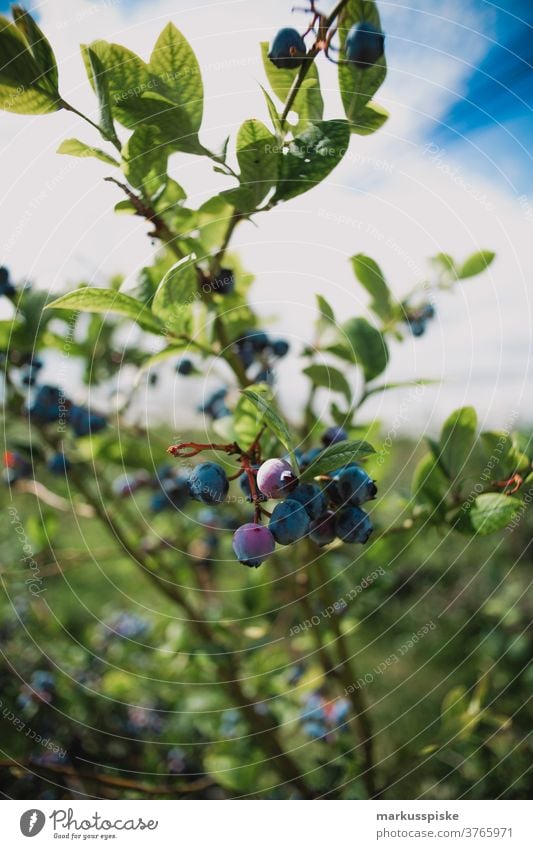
[276,478]
[253,543]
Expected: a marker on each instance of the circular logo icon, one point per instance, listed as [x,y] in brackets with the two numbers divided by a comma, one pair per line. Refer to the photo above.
[32,822]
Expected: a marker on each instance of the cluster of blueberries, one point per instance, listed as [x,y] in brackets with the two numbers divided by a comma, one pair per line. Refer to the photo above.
[254,348]
[321,511]
[417,318]
[49,404]
[363,47]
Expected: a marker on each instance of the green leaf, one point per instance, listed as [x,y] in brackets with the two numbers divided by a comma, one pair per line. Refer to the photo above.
[492,512]
[273,113]
[475,264]
[258,157]
[326,311]
[145,161]
[311,156]
[372,278]
[358,86]
[429,484]
[98,77]
[272,418]
[40,48]
[173,61]
[330,378]
[446,263]
[370,119]
[457,440]
[368,347]
[308,103]
[74,147]
[336,456]
[23,88]
[138,96]
[176,294]
[89,299]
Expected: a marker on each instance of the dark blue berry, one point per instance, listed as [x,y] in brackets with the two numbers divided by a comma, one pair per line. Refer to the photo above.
[287,49]
[58,464]
[417,326]
[353,525]
[364,45]
[244,483]
[6,287]
[312,498]
[333,435]
[208,483]
[289,522]
[48,404]
[352,485]
[253,543]
[83,421]
[322,530]
[280,347]
[223,283]
[184,367]
[258,340]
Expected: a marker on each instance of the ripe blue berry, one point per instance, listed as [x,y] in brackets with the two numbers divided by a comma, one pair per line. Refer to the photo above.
[48,404]
[309,457]
[333,435]
[287,49]
[253,543]
[417,326]
[258,340]
[215,405]
[244,483]
[276,478]
[364,45]
[223,283]
[280,347]
[6,287]
[208,483]
[58,464]
[322,530]
[353,525]
[311,497]
[352,485]
[289,522]
[184,367]
[84,421]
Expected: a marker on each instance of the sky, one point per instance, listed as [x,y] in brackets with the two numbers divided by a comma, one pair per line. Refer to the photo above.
[450,171]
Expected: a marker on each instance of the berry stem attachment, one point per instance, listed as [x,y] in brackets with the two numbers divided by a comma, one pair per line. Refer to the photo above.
[197,447]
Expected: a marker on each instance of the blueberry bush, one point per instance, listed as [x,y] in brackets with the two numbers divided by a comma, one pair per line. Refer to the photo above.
[141,656]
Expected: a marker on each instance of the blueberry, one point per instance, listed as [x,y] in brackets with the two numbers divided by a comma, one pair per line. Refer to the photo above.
[289,522]
[245,352]
[208,483]
[428,311]
[322,530]
[258,339]
[244,483]
[83,421]
[184,367]
[287,49]
[417,326]
[6,287]
[311,497]
[58,464]
[48,404]
[280,347]
[265,375]
[364,45]
[177,491]
[276,478]
[223,283]
[309,457]
[352,485]
[353,525]
[253,543]
[333,435]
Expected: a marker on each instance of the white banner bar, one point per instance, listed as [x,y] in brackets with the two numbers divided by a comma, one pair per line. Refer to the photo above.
[249,825]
